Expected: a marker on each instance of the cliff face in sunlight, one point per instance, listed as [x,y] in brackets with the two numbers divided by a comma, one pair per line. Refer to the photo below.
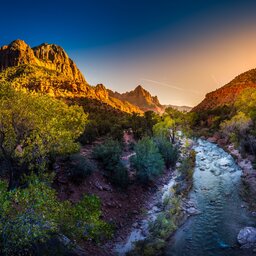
[50,56]
[47,68]
[228,94]
[140,98]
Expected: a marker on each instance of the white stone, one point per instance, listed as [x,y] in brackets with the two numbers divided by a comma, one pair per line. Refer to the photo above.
[247,237]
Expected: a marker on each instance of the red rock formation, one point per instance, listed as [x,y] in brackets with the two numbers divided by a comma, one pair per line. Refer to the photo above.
[50,56]
[140,98]
[227,94]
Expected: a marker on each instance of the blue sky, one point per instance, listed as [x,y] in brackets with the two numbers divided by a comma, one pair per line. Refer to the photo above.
[178,50]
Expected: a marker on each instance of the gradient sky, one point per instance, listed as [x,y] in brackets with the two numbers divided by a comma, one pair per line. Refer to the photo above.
[178,50]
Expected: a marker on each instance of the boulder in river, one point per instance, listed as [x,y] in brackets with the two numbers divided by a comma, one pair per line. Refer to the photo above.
[247,237]
[192,211]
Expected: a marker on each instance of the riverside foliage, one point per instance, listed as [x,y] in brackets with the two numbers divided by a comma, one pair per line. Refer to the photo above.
[147,161]
[33,215]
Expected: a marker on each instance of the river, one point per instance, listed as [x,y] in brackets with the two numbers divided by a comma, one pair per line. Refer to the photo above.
[223,213]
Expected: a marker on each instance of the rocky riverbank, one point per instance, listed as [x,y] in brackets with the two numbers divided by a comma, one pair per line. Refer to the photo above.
[216,186]
[169,209]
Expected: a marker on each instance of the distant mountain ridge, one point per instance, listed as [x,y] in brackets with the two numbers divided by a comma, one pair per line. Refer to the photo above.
[180,108]
[227,94]
[140,98]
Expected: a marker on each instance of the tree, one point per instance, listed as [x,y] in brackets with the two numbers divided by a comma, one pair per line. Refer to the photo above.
[151,118]
[172,121]
[236,128]
[162,129]
[178,121]
[32,215]
[109,155]
[246,103]
[147,161]
[168,151]
[136,122]
[35,128]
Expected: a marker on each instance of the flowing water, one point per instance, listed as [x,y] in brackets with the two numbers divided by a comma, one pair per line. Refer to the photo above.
[223,213]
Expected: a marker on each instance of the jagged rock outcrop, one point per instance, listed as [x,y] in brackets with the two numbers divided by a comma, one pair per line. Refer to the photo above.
[228,94]
[50,56]
[16,53]
[101,92]
[140,98]
[54,57]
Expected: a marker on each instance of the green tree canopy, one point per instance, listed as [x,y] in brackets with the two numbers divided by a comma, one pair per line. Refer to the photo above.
[246,103]
[33,215]
[147,161]
[34,128]
[172,121]
[168,151]
[236,127]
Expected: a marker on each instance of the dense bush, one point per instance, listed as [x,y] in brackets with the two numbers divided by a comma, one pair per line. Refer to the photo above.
[34,129]
[90,133]
[109,154]
[160,230]
[168,151]
[148,162]
[104,120]
[187,165]
[237,130]
[21,233]
[79,168]
[32,215]
[120,175]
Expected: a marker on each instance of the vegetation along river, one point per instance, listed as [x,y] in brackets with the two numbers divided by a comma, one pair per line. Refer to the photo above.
[223,213]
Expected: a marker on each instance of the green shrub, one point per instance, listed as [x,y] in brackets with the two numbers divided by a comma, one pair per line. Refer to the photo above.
[83,220]
[147,161]
[187,165]
[79,168]
[22,232]
[168,151]
[162,227]
[160,230]
[109,155]
[90,134]
[120,176]
[33,215]
[148,247]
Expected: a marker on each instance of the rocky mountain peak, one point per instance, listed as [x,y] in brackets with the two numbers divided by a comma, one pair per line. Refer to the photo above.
[54,57]
[16,53]
[139,88]
[101,91]
[18,44]
[144,95]
[50,56]
[140,98]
